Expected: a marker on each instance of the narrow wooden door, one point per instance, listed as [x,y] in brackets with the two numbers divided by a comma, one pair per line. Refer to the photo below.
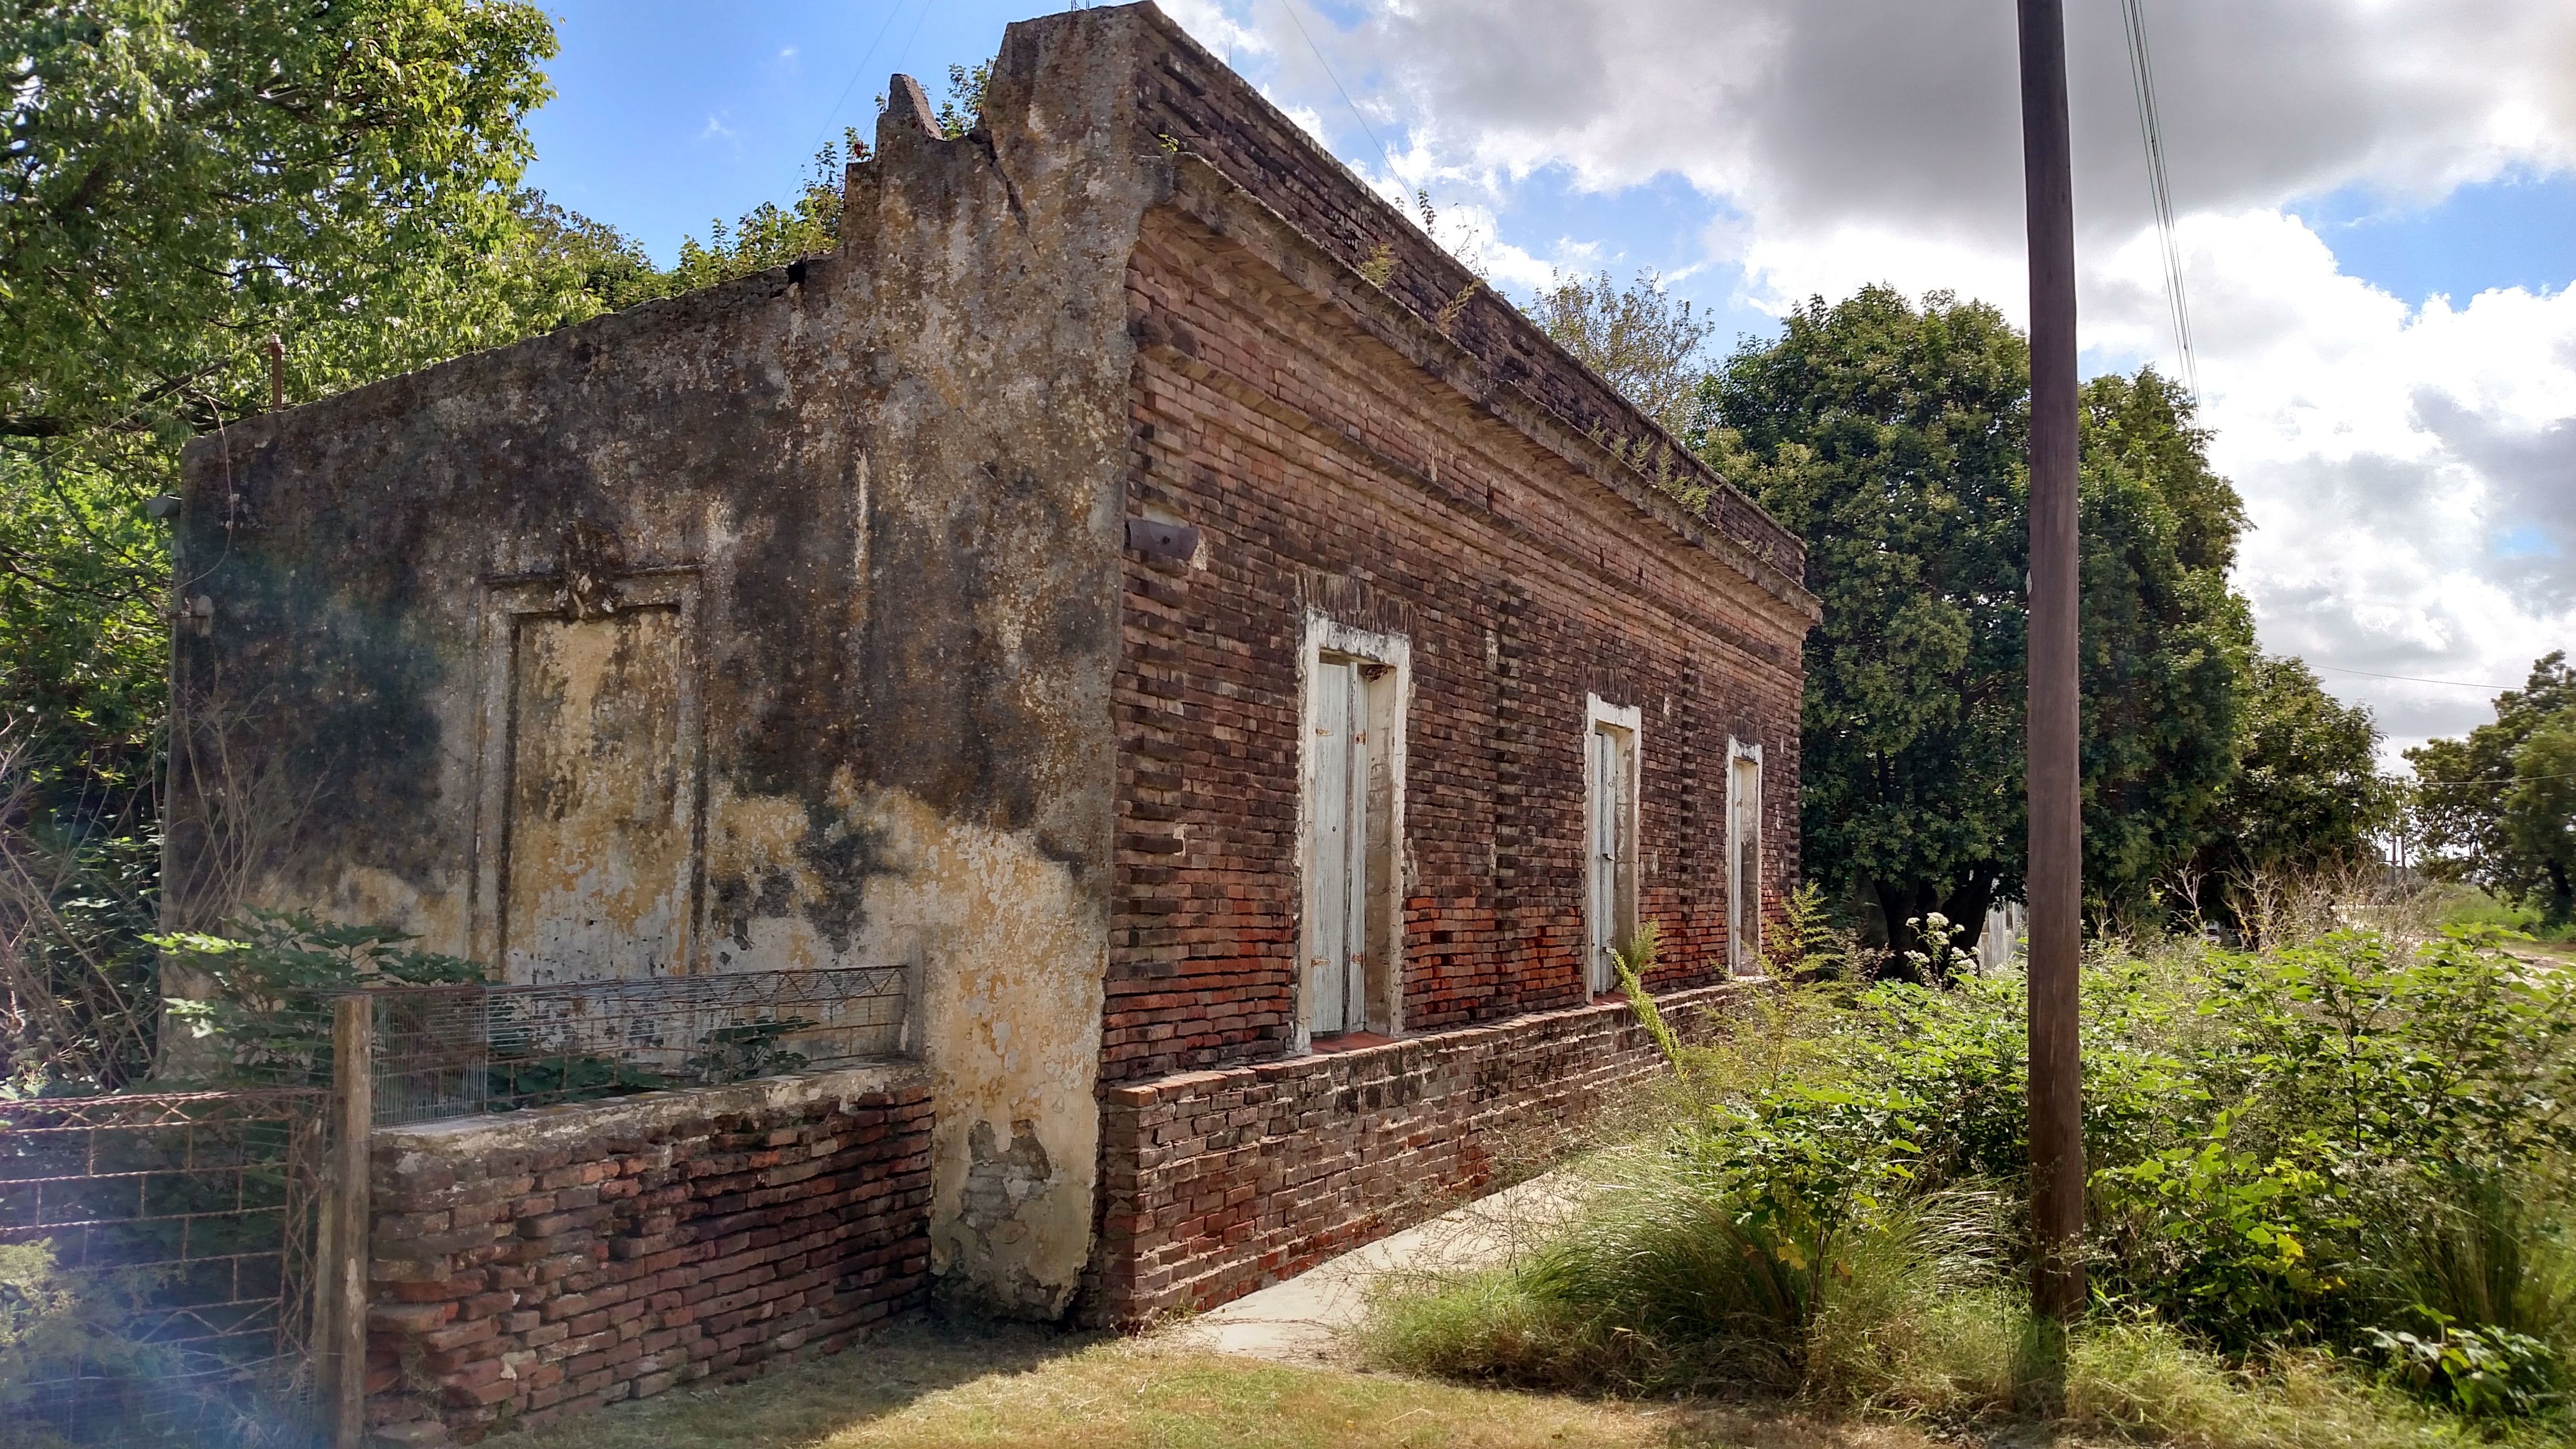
[1337,884]
[1744,926]
[1611,850]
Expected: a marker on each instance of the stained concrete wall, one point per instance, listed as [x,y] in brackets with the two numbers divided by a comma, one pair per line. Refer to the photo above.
[769,626]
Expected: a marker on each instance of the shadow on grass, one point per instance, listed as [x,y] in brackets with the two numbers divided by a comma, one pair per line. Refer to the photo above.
[814,1399]
[940,1384]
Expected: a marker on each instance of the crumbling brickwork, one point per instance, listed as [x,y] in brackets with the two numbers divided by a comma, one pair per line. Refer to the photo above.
[1329,473]
[544,1263]
[1214,1184]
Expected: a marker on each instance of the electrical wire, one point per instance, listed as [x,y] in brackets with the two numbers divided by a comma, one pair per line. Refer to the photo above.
[862,67]
[2411,679]
[2142,81]
[1291,8]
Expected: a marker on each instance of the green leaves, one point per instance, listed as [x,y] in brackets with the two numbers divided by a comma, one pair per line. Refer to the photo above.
[1636,337]
[264,1015]
[1892,438]
[2500,806]
[188,178]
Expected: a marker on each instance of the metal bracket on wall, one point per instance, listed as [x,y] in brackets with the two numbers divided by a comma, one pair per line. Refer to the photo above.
[1177,541]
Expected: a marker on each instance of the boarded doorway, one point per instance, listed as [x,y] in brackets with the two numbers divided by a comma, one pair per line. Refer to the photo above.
[591,787]
[1356,684]
[1338,883]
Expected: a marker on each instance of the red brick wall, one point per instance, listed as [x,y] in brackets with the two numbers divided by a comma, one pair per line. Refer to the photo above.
[1189,99]
[1214,1184]
[1327,472]
[546,1263]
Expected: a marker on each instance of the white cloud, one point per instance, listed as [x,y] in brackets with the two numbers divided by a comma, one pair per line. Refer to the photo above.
[2411,475]
[2411,470]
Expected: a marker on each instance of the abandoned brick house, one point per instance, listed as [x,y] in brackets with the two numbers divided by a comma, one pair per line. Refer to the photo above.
[1138,580]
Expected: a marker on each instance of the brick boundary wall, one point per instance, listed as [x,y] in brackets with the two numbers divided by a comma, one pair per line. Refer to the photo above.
[548,1262]
[1216,1183]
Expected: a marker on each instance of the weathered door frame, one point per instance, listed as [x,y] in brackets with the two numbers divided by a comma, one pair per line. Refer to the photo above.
[1383,664]
[1613,752]
[1743,834]
[508,600]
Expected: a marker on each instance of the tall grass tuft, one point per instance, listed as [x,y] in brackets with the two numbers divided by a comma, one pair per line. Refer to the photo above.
[2331,1204]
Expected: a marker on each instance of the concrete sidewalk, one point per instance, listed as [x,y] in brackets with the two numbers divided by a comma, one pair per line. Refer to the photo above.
[1307,1320]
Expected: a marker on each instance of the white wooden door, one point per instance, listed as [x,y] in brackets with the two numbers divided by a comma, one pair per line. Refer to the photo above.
[1337,886]
[1744,896]
[1609,849]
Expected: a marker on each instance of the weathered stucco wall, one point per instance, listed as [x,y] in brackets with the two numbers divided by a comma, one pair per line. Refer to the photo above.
[770,626]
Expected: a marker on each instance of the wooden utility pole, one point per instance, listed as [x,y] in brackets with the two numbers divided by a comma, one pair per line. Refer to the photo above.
[340,1303]
[2056,819]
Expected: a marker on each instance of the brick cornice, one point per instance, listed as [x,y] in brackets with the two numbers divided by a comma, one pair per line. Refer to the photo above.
[1205,194]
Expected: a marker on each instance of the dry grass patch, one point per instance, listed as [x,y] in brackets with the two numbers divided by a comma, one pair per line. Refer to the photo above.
[978,1386]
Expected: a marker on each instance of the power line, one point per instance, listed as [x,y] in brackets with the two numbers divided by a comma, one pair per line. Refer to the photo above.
[862,67]
[2409,678]
[2142,80]
[1337,85]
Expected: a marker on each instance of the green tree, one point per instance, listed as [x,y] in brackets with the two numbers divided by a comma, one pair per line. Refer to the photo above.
[612,267]
[2499,808]
[1892,438]
[186,181]
[2307,788]
[2165,645]
[187,178]
[1636,337]
[771,235]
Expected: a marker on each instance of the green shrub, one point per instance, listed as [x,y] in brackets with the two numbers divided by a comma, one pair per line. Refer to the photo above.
[2337,1148]
[265,1017]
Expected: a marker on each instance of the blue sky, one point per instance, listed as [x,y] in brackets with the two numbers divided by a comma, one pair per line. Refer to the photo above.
[2378,205]
[668,114]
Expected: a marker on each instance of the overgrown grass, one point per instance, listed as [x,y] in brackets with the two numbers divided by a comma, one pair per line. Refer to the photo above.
[929,1386]
[2465,905]
[2330,1205]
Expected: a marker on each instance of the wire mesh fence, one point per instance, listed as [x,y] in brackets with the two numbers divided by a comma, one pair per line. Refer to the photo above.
[452,1051]
[158,1255]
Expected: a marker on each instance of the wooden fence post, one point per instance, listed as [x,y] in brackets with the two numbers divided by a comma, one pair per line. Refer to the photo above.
[340,1309]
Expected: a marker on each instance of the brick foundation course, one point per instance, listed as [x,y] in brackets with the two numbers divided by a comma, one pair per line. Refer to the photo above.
[544,1263]
[1216,1183]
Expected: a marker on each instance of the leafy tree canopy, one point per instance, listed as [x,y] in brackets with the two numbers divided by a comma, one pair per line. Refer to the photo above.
[2499,807]
[187,180]
[1637,337]
[2307,788]
[771,235]
[188,177]
[1892,439]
